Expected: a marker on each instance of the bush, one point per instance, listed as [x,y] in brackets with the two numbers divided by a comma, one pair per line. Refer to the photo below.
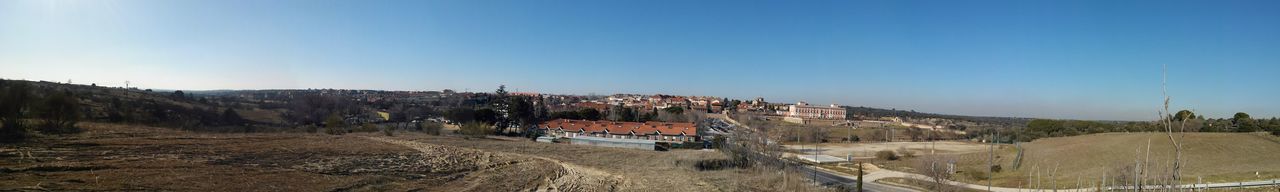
[12,133]
[334,130]
[432,128]
[886,155]
[476,129]
[906,153]
[333,125]
[14,100]
[996,168]
[975,175]
[367,128]
[388,132]
[59,114]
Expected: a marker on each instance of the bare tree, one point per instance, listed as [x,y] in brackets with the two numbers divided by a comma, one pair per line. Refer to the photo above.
[936,169]
[1168,125]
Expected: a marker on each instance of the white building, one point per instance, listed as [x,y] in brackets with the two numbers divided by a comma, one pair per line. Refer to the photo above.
[804,110]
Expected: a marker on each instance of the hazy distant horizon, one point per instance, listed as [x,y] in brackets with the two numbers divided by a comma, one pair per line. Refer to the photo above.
[1097,60]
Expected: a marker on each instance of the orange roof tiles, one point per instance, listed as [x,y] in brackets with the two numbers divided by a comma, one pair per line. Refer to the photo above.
[622,128]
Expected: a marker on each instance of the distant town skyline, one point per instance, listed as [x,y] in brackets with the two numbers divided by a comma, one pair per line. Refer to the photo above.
[1097,60]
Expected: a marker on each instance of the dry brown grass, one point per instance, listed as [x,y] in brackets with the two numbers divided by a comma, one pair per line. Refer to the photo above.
[262,115]
[641,170]
[1217,157]
[126,157]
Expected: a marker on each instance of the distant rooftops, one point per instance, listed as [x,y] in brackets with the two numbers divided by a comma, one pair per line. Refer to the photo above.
[622,128]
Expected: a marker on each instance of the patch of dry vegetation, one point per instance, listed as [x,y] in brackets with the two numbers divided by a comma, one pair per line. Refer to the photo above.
[128,157]
[1215,157]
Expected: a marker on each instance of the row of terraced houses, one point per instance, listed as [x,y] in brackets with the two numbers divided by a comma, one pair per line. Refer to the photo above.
[653,131]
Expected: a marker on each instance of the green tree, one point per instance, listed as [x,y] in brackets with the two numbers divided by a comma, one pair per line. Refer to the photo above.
[60,113]
[1244,123]
[709,107]
[461,115]
[860,173]
[521,112]
[502,107]
[1184,115]
[674,110]
[589,114]
[486,115]
[1241,116]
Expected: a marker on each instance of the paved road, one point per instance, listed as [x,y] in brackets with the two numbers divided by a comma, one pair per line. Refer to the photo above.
[827,178]
[831,179]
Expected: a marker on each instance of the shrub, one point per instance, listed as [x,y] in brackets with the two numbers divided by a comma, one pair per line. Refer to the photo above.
[388,132]
[14,100]
[906,153]
[334,130]
[975,175]
[334,125]
[12,133]
[476,129]
[367,128]
[60,113]
[432,128]
[996,168]
[886,155]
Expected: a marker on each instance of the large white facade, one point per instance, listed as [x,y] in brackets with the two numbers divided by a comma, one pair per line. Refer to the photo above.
[804,110]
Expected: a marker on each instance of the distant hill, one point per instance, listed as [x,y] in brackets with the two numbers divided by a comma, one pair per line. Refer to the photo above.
[130,105]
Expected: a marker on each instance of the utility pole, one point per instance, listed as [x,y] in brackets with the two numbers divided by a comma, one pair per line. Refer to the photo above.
[991,172]
[815,160]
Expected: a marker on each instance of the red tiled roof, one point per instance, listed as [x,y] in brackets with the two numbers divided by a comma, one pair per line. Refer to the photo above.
[622,128]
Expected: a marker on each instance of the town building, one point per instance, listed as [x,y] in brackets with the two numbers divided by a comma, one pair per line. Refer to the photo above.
[806,111]
[651,131]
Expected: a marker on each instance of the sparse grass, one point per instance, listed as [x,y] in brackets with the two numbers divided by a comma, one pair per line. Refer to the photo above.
[844,168]
[1215,157]
[922,185]
[262,115]
[112,157]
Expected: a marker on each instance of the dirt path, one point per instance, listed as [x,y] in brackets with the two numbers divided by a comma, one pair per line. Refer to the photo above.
[570,177]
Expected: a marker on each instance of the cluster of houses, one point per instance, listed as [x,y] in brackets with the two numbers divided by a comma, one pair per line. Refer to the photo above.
[648,131]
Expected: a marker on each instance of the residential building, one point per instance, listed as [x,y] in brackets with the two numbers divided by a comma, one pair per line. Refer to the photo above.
[804,110]
[652,130]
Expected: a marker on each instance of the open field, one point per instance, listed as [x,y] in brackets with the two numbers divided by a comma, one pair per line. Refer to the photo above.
[126,157]
[1215,157]
[868,150]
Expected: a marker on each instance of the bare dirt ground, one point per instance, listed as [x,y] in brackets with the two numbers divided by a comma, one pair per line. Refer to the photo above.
[639,170]
[115,157]
[868,150]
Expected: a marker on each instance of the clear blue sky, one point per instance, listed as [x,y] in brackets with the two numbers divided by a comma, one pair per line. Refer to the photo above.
[1050,59]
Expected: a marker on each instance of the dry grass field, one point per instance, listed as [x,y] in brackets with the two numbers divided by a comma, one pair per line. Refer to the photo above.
[116,157]
[1215,157]
[868,150]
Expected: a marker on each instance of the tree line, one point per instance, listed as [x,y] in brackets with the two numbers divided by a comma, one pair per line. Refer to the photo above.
[1042,128]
